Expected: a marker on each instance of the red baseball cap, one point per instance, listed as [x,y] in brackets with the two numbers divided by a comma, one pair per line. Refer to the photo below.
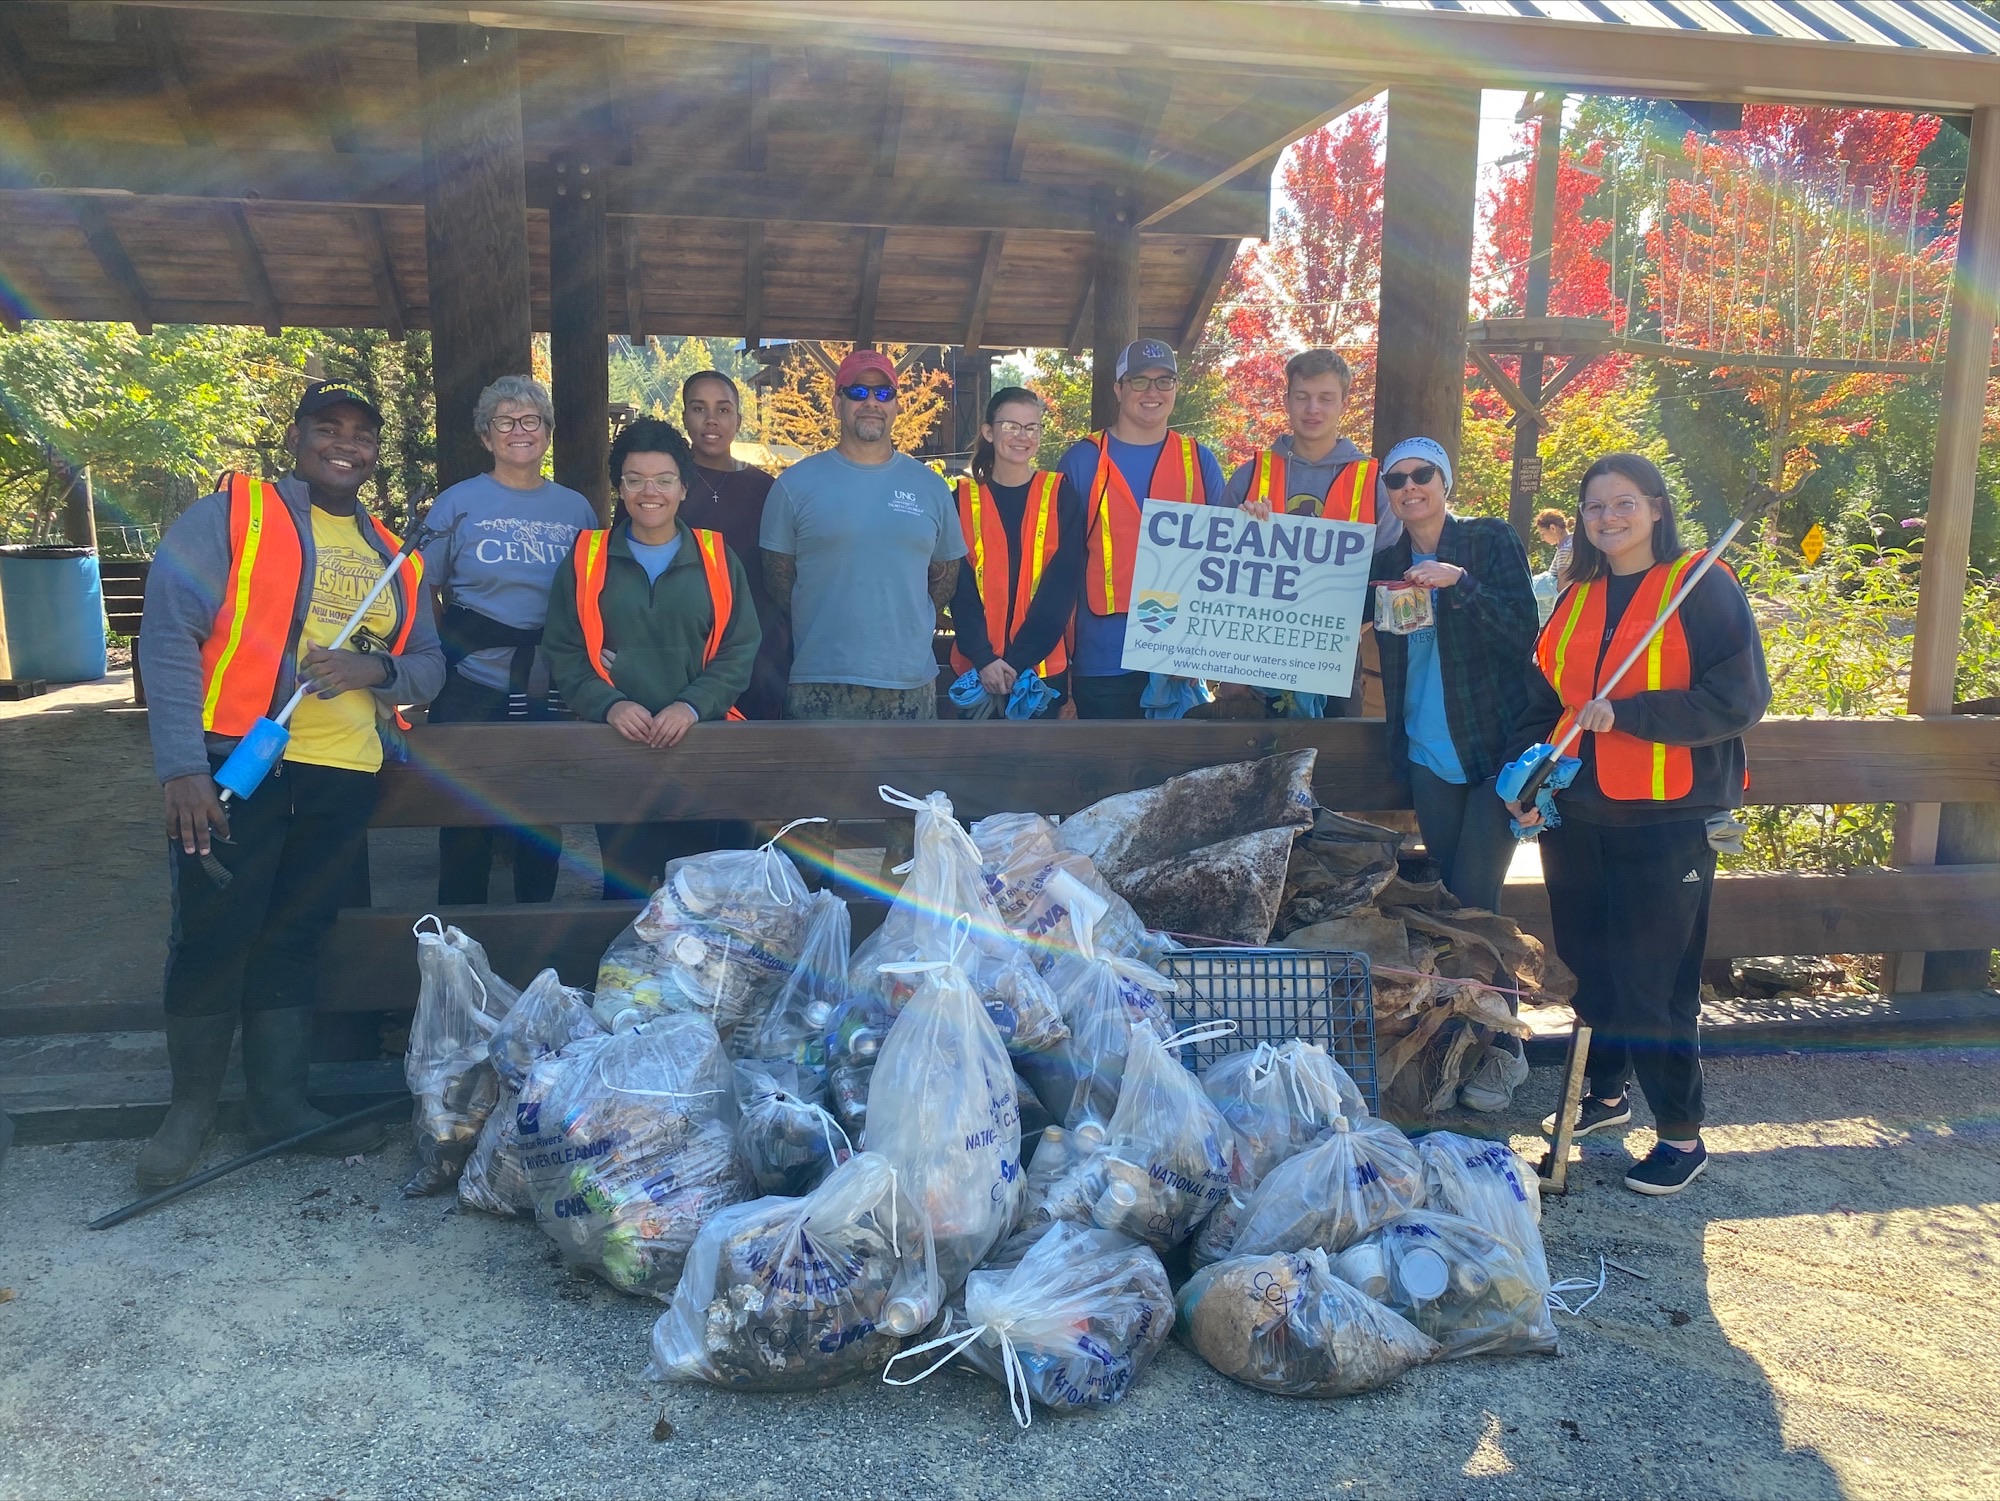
[863,362]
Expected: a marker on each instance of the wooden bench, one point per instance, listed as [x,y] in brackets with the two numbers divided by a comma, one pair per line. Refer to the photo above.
[578,773]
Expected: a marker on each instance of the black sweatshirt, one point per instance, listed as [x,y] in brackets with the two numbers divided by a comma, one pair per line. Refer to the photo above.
[1729,693]
[1054,602]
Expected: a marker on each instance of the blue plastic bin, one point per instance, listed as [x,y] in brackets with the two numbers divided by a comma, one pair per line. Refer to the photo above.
[51,614]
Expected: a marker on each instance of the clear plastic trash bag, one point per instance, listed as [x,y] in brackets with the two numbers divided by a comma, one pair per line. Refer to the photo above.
[800,1294]
[629,1142]
[853,1043]
[1467,1289]
[1068,1320]
[789,1140]
[547,1018]
[1286,1323]
[1360,1177]
[1487,1183]
[459,1003]
[942,1108]
[946,910]
[494,1180]
[1038,886]
[794,1027]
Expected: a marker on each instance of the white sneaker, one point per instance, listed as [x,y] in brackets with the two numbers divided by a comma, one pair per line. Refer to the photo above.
[1491,1088]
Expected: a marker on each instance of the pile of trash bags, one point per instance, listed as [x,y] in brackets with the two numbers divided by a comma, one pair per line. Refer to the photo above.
[973,1140]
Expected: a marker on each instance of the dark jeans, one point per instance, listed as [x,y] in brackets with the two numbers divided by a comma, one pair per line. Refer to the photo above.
[635,855]
[1109,698]
[1630,910]
[1465,829]
[465,856]
[299,852]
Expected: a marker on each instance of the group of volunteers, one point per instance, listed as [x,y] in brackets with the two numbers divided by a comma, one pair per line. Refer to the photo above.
[721,592]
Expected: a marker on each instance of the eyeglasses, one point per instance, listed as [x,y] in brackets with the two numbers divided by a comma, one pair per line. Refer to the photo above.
[1152,382]
[862,393]
[1423,474]
[1623,505]
[532,423]
[1008,428]
[640,484]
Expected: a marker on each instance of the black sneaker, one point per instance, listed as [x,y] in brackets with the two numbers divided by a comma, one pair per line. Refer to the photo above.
[1594,1115]
[1667,1170]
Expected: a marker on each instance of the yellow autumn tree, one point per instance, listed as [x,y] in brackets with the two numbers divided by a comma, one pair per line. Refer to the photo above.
[800,411]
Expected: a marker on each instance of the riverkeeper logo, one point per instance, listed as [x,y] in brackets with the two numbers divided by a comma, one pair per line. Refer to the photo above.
[1156,610]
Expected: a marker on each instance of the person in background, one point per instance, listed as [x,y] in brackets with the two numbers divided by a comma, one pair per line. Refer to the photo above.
[502,536]
[1553,528]
[861,550]
[1138,458]
[1631,869]
[247,593]
[727,495]
[1453,691]
[652,631]
[1024,543]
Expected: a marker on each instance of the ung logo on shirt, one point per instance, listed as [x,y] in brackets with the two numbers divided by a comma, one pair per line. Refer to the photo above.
[906,502]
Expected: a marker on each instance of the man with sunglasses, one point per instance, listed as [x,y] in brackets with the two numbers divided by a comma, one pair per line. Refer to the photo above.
[1138,458]
[861,547]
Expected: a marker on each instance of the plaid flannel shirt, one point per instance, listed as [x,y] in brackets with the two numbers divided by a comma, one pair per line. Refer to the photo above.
[1486,625]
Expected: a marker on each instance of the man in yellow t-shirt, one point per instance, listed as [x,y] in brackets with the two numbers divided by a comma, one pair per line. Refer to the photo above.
[341,731]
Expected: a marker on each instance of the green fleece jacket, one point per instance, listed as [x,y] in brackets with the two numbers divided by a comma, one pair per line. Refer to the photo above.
[654,632]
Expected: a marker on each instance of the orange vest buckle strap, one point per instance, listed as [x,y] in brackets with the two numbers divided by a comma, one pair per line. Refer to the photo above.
[1351,496]
[1628,769]
[993,565]
[1113,537]
[591,560]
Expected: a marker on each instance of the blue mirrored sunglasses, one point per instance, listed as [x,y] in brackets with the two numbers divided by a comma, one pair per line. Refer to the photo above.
[862,393]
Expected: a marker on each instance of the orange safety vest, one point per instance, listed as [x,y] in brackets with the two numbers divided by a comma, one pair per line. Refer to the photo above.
[1113,538]
[246,647]
[1351,496]
[1628,768]
[993,567]
[592,559]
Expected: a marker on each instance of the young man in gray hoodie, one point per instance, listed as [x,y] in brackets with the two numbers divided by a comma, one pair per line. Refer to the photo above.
[248,590]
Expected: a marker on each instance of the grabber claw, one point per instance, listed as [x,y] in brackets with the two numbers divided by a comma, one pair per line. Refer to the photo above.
[1535,778]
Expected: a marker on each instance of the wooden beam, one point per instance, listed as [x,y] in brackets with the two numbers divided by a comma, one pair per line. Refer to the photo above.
[322,60]
[235,221]
[1221,256]
[374,238]
[757,109]
[1511,393]
[1115,318]
[753,285]
[1255,131]
[1079,321]
[630,248]
[176,91]
[109,252]
[871,287]
[16,86]
[1024,111]
[982,288]
[579,328]
[1566,377]
[889,133]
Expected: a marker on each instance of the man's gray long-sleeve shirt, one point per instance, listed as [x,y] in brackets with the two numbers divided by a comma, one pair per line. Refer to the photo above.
[1315,480]
[184,591]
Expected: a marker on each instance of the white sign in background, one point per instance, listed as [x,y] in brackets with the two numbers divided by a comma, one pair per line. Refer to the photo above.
[1219,595]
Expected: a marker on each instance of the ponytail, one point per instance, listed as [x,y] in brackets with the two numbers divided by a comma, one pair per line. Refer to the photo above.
[983,455]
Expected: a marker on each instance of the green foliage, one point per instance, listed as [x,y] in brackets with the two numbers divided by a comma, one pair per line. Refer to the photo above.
[1201,408]
[649,379]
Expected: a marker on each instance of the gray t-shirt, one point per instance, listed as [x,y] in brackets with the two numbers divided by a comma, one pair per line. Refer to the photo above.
[503,557]
[865,537]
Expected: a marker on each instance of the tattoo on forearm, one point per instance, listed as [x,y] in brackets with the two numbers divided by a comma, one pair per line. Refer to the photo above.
[781,572]
[943,580]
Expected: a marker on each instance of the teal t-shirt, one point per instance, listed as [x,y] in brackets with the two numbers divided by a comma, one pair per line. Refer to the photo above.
[1423,702]
[653,556]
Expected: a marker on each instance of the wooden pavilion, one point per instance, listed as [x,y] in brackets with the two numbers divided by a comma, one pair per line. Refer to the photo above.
[1069,175]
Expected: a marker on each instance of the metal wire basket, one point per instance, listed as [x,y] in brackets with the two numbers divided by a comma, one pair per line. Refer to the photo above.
[1318,995]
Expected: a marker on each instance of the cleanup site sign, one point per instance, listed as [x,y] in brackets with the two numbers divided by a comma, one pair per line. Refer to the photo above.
[1217,594]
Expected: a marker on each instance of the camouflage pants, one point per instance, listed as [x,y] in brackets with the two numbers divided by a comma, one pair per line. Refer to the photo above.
[853,701]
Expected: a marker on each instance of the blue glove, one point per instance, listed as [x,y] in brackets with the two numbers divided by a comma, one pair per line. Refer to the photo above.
[1030,696]
[967,690]
[1515,774]
[1169,697]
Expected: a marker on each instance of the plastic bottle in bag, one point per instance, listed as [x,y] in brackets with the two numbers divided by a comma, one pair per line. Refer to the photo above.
[1362,1176]
[853,1044]
[629,1142]
[1068,1320]
[1039,887]
[459,1004]
[494,1180]
[800,1294]
[1467,1289]
[789,1140]
[1487,1183]
[1286,1323]
[942,1109]
[794,1027]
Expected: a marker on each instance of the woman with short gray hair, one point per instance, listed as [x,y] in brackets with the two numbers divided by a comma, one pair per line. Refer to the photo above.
[502,535]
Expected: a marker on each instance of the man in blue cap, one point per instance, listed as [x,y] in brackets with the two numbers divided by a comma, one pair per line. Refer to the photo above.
[1138,458]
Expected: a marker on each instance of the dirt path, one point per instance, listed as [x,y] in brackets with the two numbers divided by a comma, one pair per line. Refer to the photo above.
[1818,1320]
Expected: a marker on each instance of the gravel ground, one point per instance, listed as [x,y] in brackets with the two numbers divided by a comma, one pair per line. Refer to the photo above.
[1816,1319]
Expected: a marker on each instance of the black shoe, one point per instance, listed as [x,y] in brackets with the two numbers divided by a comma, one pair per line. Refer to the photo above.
[1667,1170]
[277,1049]
[1593,1114]
[198,1052]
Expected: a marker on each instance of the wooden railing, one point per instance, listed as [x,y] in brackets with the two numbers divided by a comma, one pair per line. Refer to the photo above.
[577,773]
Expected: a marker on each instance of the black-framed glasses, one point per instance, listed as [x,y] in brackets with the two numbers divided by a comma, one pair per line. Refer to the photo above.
[863,393]
[1423,474]
[531,423]
[1152,382]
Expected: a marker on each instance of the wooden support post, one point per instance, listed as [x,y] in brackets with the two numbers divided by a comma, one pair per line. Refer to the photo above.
[982,289]
[1115,290]
[1428,192]
[79,510]
[1948,527]
[1525,480]
[631,248]
[753,285]
[871,287]
[971,388]
[579,328]
[475,227]
[250,266]
[1213,275]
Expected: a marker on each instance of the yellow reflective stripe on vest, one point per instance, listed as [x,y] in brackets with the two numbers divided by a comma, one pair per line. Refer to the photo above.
[1187,468]
[1106,547]
[1262,481]
[1047,492]
[1576,603]
[1655,672]
[246,568]
[978,538]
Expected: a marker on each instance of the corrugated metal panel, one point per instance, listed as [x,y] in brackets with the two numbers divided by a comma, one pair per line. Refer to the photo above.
[1933,25]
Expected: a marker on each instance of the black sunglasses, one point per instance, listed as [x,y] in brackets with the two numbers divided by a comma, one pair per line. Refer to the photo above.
[862,393]
[1423,474]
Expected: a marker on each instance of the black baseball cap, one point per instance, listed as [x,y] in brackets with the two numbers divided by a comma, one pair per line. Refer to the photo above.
[1142,355]
[321,394]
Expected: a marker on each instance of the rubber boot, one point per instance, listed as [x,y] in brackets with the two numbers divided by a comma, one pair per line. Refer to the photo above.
[198,1050]
[277,1047]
